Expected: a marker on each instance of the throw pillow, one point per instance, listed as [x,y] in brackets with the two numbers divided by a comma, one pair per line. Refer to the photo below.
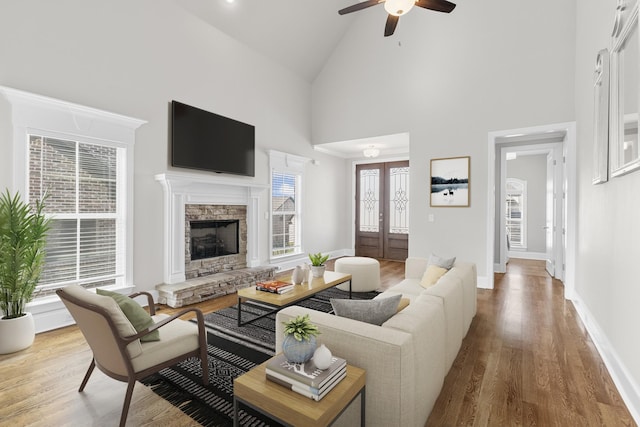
[404,303]
[375,311]
[441,262]
[137,315]
[432,275]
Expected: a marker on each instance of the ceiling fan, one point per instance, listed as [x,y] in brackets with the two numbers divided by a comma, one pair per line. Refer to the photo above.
[397,8]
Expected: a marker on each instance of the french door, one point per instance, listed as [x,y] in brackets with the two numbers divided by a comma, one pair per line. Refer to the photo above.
[382,210]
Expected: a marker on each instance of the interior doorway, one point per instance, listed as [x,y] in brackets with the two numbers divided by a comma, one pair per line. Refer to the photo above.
[531,209]
[565,197]
[382,210]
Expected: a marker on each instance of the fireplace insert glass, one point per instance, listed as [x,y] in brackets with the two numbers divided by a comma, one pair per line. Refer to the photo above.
[210,239]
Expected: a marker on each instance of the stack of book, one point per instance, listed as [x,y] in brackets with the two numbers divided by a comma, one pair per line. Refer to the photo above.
[275,286]
[305,378]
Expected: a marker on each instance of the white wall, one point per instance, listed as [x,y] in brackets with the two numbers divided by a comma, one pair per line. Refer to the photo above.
[608,270]
[533,170]
[133,58]
[448,80]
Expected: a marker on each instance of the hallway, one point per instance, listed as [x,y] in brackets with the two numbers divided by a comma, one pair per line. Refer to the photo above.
[528,360]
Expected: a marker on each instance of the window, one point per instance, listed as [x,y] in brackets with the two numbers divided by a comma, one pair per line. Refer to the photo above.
[516,210]
[84,161]
[286,207]
[83,182]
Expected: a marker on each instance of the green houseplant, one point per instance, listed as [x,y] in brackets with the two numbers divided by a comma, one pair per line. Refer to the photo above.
[23,232]
[317,264]
[299,339]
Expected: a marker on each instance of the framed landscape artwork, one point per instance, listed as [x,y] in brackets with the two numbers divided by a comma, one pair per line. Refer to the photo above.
[450,182]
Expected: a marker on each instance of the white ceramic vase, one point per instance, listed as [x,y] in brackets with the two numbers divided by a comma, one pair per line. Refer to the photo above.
[17,334]
[298,275]
[322,357]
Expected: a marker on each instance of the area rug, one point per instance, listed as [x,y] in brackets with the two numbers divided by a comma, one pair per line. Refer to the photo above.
[232,351]
[212,405]
[260,334]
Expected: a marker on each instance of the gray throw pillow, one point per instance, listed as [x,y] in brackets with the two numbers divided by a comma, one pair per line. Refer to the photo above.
[375,311]
[442,262]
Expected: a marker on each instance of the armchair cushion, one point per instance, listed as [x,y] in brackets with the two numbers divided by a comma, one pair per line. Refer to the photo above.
[178,337]
[137,315]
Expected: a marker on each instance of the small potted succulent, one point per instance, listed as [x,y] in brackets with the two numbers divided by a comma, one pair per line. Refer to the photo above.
[299,339]
[317,264]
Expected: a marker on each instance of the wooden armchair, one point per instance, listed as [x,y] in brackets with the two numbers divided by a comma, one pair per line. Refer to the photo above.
[116,346]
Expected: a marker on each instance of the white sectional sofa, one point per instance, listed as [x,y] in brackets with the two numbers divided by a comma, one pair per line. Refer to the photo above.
[408,356]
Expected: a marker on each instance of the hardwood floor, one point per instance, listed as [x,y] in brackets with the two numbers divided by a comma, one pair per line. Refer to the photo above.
[527,360]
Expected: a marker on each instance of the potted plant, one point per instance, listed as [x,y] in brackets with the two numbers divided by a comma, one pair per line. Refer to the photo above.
[23,233]
[299,339]
[317,264]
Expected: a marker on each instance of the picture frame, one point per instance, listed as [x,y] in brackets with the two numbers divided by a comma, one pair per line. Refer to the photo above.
[624,93]
[450,182]
[601,118]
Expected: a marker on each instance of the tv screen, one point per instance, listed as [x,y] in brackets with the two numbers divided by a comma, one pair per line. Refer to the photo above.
[207,141]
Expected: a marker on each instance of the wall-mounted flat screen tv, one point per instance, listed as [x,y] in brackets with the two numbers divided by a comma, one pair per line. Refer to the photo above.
[207,141]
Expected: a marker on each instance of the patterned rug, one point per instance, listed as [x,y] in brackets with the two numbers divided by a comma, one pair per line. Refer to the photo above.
[232,351]
[212,405]
[260,334]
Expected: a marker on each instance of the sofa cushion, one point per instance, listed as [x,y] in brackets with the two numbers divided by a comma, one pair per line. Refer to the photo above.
[442,262]
[137,315]
[376,311]
[432,275]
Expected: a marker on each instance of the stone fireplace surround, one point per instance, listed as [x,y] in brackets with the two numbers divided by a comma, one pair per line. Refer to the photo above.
[183,189]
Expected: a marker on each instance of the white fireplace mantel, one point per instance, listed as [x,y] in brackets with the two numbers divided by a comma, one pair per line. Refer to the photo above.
[181,189]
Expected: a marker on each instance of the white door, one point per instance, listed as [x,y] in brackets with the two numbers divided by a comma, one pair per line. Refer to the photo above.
[550,225]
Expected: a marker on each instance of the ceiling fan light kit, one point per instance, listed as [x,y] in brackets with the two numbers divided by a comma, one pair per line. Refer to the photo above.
[397,8]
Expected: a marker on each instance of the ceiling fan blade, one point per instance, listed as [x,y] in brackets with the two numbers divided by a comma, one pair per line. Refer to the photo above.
[390,27]
[437,5]
[359,6]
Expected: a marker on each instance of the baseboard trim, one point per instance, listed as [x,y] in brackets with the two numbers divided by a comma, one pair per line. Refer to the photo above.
[289,263]
[628,389]
[539,256]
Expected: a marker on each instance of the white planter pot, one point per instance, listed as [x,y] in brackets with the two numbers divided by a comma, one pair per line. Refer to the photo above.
[317,271]
[17,334]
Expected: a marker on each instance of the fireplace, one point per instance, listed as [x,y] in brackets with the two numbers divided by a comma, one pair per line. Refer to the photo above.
[210,239]
[194,197]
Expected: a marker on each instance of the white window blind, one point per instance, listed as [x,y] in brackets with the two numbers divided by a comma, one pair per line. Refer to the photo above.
[83,184]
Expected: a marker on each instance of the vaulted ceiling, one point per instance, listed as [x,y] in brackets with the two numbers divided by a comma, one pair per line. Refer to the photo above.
[298,34]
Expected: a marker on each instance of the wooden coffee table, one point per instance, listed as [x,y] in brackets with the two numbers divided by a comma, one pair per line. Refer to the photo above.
[290,408]
[299,293]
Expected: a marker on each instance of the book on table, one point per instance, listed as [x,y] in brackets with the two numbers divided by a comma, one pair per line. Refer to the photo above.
[306,377]
[315,394]
[274,286]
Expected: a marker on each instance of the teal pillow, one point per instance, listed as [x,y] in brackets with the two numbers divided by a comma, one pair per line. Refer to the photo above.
[137,315]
